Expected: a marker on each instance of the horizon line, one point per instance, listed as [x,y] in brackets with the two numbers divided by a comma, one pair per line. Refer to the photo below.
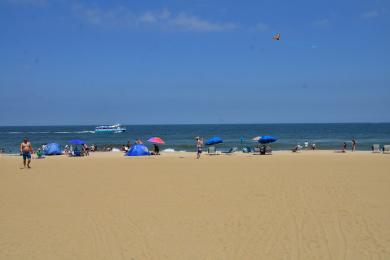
[172,124]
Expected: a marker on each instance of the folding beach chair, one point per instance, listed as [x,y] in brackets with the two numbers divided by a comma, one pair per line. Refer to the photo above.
[268,150]
[76,152]
[246,149]
[376,148]
[231,151]
[211,150]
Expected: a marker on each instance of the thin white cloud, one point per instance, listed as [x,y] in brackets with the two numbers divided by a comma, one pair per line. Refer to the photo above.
[163,19]
[322,23]
[193,23]
[118,16]
[153,17]
[370,14]
[148,18]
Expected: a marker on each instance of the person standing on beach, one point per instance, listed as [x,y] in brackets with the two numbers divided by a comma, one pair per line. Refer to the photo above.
[344,147]
[199,146]
[26,150]
[353,144]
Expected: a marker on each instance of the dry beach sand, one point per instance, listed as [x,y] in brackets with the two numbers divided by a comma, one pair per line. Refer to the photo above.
[312,205]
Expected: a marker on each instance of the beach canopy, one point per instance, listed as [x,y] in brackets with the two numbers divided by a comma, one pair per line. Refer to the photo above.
[76,141]
[214,140]
[156,140]
[138,150]
[266,139]
[52,149]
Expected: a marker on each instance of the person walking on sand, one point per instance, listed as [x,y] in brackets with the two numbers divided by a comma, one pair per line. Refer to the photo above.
[26,150]
[199,146]
[353,144]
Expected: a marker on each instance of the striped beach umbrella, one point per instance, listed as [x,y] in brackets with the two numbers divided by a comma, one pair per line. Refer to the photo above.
[256,139]
[264,139]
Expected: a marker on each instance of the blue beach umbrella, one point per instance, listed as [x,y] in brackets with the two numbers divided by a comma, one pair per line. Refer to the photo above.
[266,139]
[76,142]
[214,140]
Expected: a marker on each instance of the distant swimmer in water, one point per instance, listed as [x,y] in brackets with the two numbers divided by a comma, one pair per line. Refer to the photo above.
[26,150]
[276,37]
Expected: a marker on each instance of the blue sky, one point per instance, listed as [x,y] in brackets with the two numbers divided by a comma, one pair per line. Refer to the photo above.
[157,62]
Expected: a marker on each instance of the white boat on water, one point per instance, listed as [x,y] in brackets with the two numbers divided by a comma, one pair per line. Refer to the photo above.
[110,129]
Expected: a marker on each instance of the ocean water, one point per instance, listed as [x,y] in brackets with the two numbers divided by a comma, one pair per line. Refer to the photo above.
[181,137]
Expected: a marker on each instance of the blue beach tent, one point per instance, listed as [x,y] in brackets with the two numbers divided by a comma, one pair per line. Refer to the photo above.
[52,149]
[138,150]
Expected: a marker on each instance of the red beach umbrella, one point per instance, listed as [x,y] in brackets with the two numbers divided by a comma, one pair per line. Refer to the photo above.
[156,140]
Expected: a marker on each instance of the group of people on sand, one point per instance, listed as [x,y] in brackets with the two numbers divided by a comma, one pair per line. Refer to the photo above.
[307,146]
[155,151]
[26,148]
[313,146]
[85,149]
[345,147]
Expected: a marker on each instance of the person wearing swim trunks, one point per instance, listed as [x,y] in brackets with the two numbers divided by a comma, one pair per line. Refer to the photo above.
[199,146]
[26,150]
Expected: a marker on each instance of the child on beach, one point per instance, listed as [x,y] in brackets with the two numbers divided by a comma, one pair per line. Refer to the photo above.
[344,147]
[40,154]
